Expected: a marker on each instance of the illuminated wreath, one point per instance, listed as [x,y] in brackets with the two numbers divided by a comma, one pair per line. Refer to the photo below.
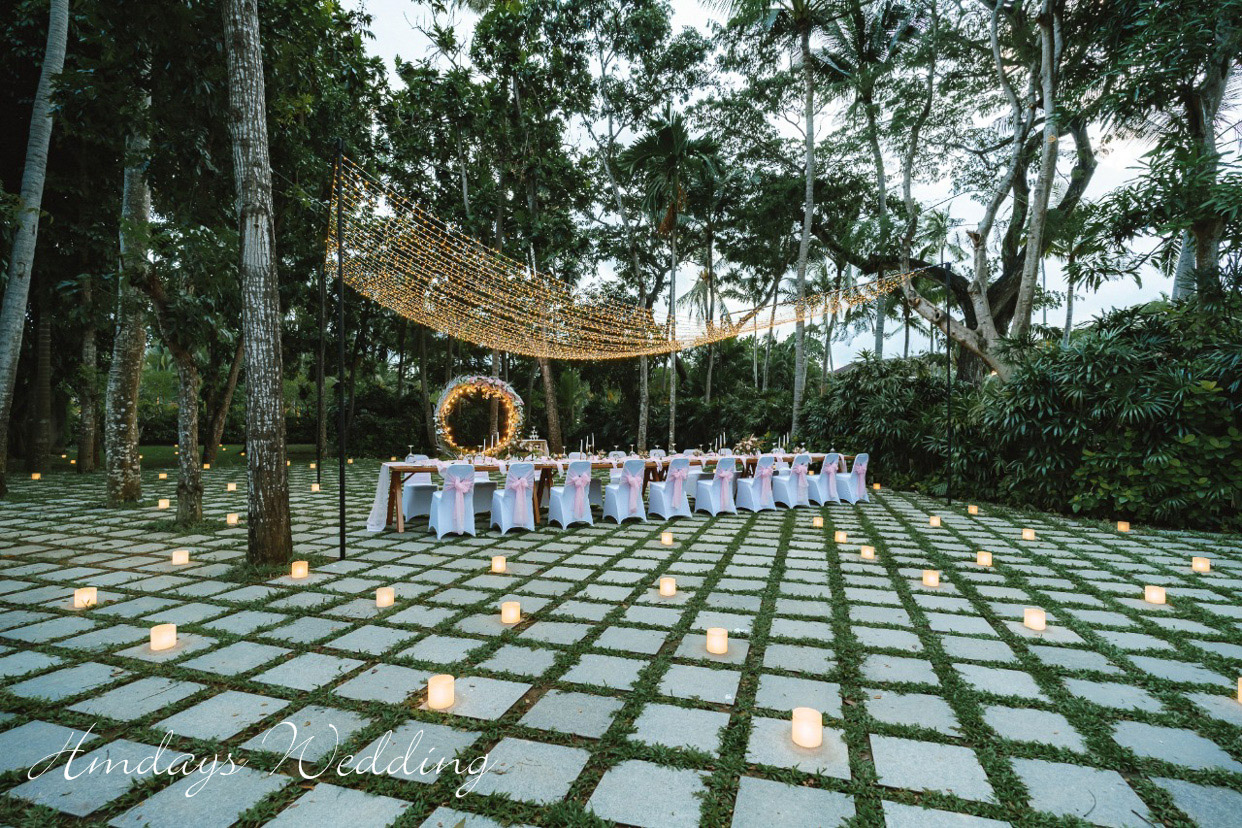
[488,388]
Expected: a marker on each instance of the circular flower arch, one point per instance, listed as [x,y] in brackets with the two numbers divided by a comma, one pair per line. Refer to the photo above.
[488,388]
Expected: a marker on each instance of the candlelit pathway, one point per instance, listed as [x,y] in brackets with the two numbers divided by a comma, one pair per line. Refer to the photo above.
[940,707]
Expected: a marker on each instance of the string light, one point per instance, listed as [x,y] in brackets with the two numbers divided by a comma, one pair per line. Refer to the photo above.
[407,260]
[488,388]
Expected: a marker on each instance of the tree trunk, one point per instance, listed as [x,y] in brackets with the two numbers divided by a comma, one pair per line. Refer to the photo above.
[644,401]
[804,244]
[21,260]
[41,433]
[190,474]
[88,384]
[270,539]
[1069,315]
[549,396]
[401,359]
[1184,270]
[494,414]
[672,357]
[130,343]
[830,322]
[428,413]
[767,348]
[219,416]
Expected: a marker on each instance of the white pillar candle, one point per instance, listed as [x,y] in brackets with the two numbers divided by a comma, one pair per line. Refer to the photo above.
[231,519]
[668,586]
[300,570]
[313,465]
[934,521]
[350,461]
[1153,594]
[181,556]
[163,475]
[510,612]
[314,487]
[717,640]
[163,637]
[875,486]
[85,597]
[1028,534]
[666,538]
[972,509]
[1034,618]
[808,727]
[206,466]
[231,487]
[983,558]
[164,503]
[868,553]
[817,521]
[839,536]
[498,564]
[1123,526]
[384,597]
[392,459]
[440,692]
[1199,564]
[931,577]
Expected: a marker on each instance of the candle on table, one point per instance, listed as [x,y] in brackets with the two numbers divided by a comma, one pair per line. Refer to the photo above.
[717,640]
[510,612]
[668,586]
[1034,618]
[85,597]
[181,556]
[808,727]
[1199,564]
[440,692]
[300,570]
[1153,594]
[163,637]
[931,577]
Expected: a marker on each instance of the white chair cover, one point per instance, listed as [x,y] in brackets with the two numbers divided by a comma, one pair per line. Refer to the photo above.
[793,489]
[667,497]
[624,499]
[571,503]
[450,507]
[716,495]
[853,486]
[755,493]
[418,489]
[828,481]
[657,453]
[513,506]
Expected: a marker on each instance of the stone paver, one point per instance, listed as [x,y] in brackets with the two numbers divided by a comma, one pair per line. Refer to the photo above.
[926,766]
[180,804]
[764,802]
[328,806]
[680,727]
[531,771]
[582,714]
[89,791]
[1101,796]
[672,800]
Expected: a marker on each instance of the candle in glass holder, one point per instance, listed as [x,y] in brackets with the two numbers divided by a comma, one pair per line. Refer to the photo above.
[868,552]
[206,466]
[840,536]
[350,461]
[1123,526]
[314,487]
[1028,534]
[983,558]
[314,465]
[163,503]
[300,570]
[1199,564]
[231,487]
[931,577]
[440,692]
[666,538]
[384,597]
[717,640]
[1153,594]
[163,475]
[85,597]
[1034,618]
[231,518]
[934,521]
[817,522]
[392,459]
[36,476]
[668,586]
[875,486]
[808,727]
[498,564]
[181,556]
[972,509]
[163,637]
[510,612]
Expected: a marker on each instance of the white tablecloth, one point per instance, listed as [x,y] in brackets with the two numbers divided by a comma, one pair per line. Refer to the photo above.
[379,507]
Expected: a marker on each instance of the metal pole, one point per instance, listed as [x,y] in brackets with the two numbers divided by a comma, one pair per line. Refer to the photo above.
[948,390]
[321,353]
[340,341]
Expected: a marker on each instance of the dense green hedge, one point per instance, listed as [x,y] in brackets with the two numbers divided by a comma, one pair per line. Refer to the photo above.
[1139,418]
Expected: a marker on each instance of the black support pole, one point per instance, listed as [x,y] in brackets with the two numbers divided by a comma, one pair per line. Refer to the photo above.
[321,354]
[340,339]
[948,390]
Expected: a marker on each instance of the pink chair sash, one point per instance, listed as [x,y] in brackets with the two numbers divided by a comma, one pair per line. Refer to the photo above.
[580,483]
[799,471]
[678,477]
[520,488]
[860,480]
[831,473]
[459,485]
[726,479]
[635,482]
[764,473]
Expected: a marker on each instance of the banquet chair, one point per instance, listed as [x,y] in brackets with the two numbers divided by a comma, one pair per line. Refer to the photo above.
[716,495]
[576,455]
[624,499]
[667,497]
[792,489]
[570,503]
[853,486]
[827,484]
[449,508]
[417,491]
[726,452]
[484,486]
[755,493]
[658,452]
[512,506]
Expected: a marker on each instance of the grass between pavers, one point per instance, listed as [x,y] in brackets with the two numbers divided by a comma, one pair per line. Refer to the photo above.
[724,771]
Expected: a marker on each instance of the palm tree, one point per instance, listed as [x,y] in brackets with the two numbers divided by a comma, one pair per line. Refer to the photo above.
[663,159]
[34,173]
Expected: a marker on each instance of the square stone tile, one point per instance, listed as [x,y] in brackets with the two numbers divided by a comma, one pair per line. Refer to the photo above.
[222,716]
[770,744]
[764,802]
[785,693]
[329,806]
[23,746]
[388,683]
[414,752]
[532,771]
[309,734]
[580,714]
[614,672]
[919,709]
[1175,745]
[1100,796]
[138,698]
[927,766]
[309,671]
[179,803]
[897,815]
[524,661]
[1000,681]
[701,683]
[676,805]
[88,792]
[370,639]
[1205,804]
[631,640]
[235,659]
[69,682]
[680,727]
[1030,725]
[477,697]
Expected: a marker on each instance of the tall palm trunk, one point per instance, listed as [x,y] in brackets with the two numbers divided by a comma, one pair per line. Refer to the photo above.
[672,357]
[88,390]
[555,444]
[428,414]
[218,411]
[190,475]
[493,422]
[644,401]
[34,174]
[41,434]
[270,539]
[130,343]
[804,244]
[1069,315]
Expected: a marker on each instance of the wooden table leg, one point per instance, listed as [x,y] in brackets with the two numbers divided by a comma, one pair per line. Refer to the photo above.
[544,485]
[400,508]
[393,485]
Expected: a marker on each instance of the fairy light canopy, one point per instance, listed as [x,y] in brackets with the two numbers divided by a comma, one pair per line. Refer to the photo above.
[403,257]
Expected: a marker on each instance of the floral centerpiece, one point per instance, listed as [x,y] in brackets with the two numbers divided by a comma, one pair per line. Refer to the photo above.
[749,445]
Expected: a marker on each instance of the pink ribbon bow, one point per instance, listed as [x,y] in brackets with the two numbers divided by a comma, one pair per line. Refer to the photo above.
[764,473]
[580,483]
[678,476]
[860,480]
[726,479]
[519,486]
[635,482]
[799,471]
[459,485]
[831,473]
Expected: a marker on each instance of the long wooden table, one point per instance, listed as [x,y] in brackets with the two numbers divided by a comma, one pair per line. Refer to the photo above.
[401,472]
